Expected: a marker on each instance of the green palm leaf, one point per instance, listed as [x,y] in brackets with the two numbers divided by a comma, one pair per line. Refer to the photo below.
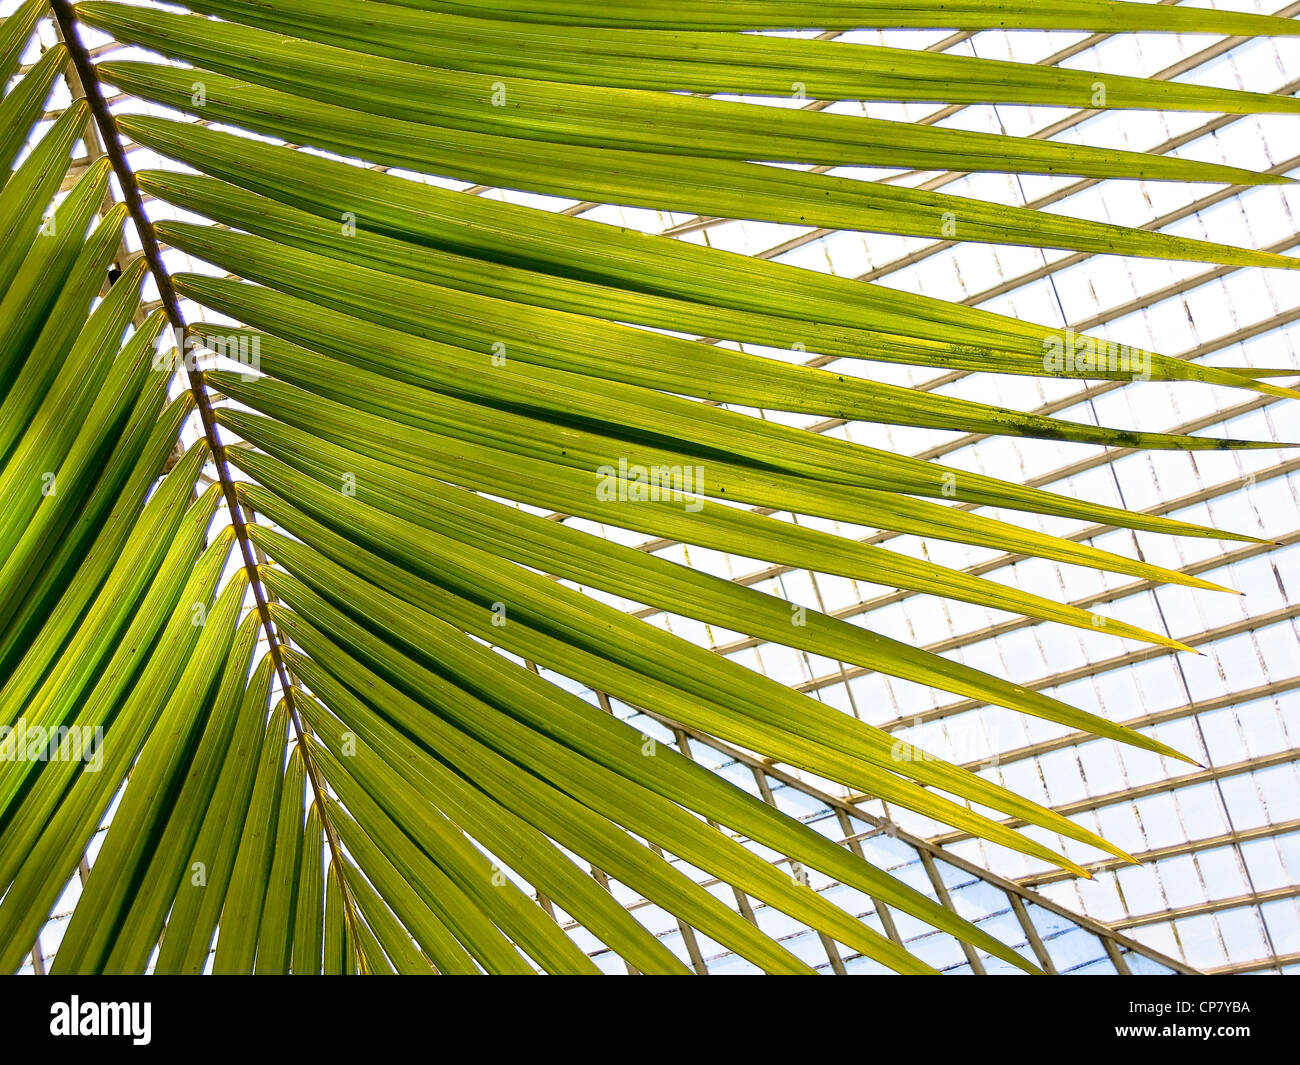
[307,699]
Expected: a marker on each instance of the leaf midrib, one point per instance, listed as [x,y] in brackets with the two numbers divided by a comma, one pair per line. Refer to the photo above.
[133,199]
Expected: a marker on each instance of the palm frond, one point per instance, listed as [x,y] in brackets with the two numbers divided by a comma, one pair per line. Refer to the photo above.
[313,692]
